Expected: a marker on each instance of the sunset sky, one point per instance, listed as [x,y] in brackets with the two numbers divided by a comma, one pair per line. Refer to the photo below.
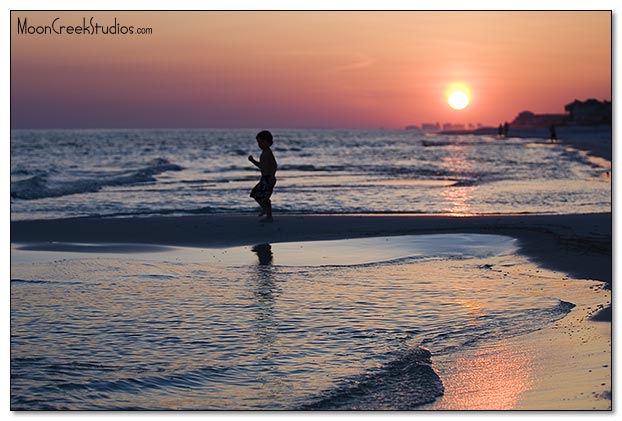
[305,69]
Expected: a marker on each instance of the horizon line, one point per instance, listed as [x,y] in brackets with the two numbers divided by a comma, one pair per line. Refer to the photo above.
[407,127]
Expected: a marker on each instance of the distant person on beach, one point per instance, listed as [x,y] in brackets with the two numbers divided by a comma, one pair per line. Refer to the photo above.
[553,136]
[506,129]
[500,131]
[268,166]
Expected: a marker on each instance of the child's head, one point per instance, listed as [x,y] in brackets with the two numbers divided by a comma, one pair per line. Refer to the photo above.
[266,136]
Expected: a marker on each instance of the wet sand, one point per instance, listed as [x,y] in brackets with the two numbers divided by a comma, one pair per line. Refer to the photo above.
[568,363]
[577,244]
[565,366]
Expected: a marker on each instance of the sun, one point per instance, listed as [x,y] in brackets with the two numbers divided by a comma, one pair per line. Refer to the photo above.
[458,95]
[458,100]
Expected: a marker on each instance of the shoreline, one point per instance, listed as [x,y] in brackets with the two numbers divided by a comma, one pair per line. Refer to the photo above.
[576,376]
[577,244]
[594,140]
[580,244]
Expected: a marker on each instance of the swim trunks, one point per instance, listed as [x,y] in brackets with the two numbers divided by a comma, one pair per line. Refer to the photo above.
[263,190]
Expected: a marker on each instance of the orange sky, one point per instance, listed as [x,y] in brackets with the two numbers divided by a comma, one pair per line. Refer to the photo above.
[305,69]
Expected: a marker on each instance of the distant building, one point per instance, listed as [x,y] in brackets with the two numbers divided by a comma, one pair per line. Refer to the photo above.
[589,112]
[430,126]
[451,126]
[412,127]
[529,119]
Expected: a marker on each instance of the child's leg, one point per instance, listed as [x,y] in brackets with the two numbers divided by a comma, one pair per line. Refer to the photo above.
[263,211]
[261,193]
[256,194]
[268,209]
[268,201]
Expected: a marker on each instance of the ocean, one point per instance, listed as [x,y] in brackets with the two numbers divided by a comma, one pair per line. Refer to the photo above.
[59,174]
[283,326]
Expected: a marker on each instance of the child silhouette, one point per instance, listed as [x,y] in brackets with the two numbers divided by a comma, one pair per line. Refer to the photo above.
[268,166]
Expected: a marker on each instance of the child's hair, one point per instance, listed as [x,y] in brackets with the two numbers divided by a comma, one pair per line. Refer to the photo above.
[266,135]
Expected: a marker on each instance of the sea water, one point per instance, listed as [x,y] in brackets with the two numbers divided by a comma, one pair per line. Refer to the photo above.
[263,327]
[68,173]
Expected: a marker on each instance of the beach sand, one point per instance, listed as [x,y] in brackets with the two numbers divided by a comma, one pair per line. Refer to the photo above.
[577,244]
[565,366]
[568,363]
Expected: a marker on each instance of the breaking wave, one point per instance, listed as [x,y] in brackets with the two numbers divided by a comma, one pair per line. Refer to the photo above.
[402,384]
[40,186]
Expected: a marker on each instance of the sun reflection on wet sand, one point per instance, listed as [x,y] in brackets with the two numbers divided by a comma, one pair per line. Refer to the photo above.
[475,309]
[495,379]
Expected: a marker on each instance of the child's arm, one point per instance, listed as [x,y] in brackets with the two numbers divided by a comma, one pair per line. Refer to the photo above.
[254,161]
[266,163]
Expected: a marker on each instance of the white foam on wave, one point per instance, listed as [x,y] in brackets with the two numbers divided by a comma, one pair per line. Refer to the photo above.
[41,186]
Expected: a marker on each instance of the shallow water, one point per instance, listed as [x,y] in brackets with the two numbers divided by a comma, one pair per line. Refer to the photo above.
[259,331]
[62,173]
